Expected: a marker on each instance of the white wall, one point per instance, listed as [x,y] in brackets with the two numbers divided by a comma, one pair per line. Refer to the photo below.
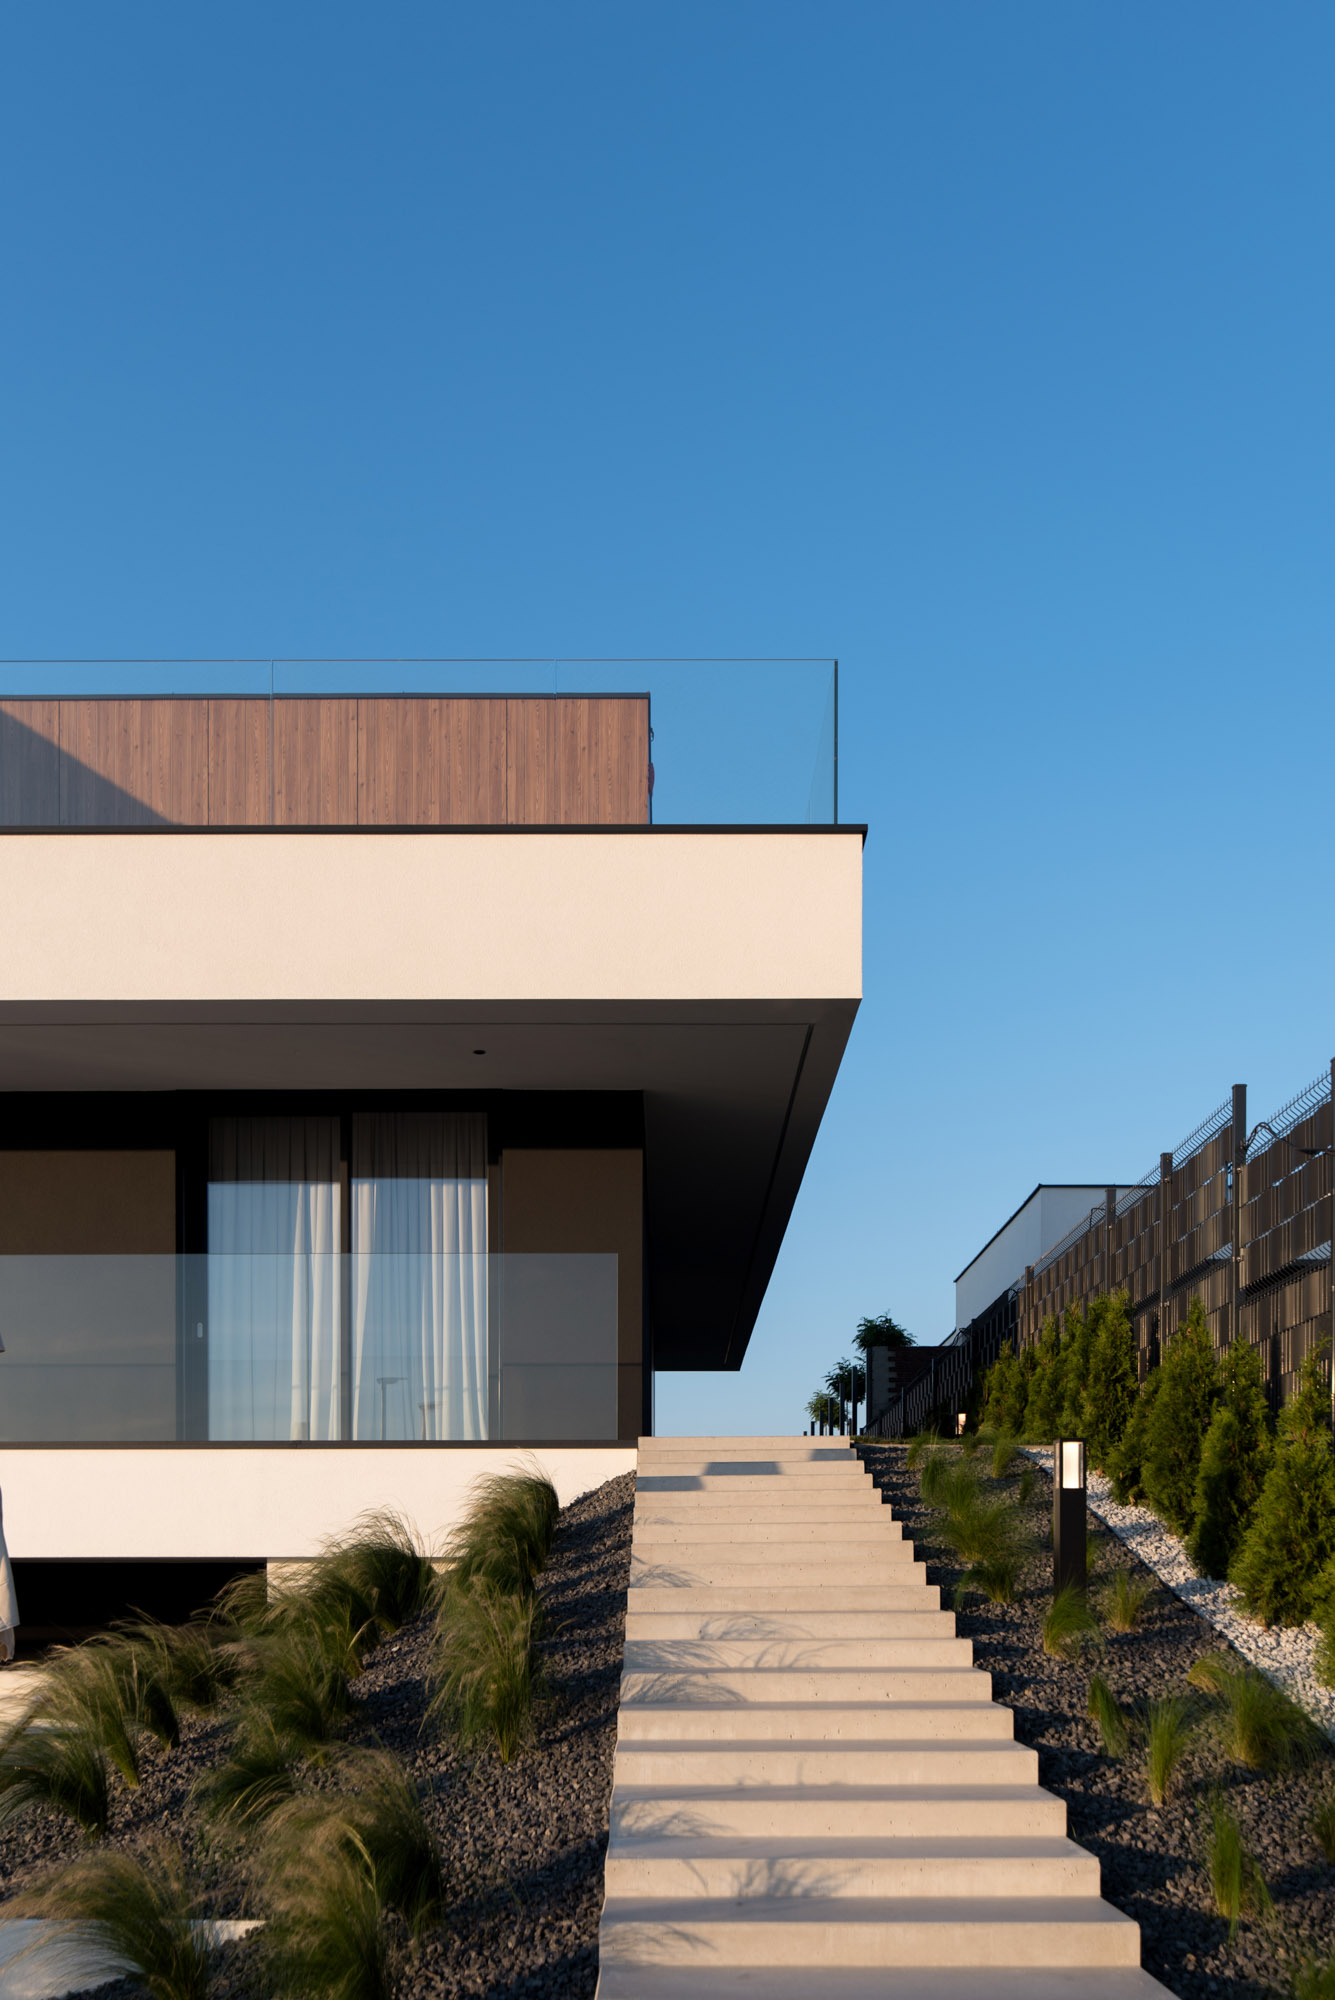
[398,916]
[240,1503]
[1043,1221]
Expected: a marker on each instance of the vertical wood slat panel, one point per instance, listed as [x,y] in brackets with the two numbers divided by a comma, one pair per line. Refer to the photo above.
[134,763]
[578,760]
[315,761]
[431,761]
[29,763]
[240,786]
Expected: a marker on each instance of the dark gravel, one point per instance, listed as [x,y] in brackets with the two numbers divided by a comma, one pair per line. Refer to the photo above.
[1153,1860]
[523,1843]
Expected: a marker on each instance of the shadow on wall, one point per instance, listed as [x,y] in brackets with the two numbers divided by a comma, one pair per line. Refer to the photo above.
[44,784]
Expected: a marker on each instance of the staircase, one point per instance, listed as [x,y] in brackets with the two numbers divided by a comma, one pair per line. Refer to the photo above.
[815,1796]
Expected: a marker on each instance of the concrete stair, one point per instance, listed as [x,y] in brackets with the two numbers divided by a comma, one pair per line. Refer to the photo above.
[814,1792]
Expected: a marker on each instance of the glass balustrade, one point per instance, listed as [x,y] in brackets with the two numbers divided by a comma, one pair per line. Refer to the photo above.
[308,1348]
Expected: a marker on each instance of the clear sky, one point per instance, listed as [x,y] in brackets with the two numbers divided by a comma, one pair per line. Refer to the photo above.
[986,347]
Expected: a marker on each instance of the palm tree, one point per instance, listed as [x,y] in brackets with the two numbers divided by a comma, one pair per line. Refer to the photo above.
[847,1382]
[823,1409]
[883,1331]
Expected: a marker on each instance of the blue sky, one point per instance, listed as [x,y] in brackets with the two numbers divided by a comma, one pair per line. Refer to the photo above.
[985,347]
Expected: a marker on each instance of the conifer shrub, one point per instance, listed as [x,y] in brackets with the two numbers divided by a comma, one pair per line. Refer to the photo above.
[1043,1404]
[1234,1458]
[1078,1334]
[1110,1391]
[1291,1538]
[1188,1388]
[1126,1461]
[1007,1393]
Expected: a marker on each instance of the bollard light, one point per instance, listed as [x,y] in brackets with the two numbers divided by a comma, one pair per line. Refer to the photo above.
[1068,1513]
[960,1421]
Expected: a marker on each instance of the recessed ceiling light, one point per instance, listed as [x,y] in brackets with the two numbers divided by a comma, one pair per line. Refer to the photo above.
[479,1052]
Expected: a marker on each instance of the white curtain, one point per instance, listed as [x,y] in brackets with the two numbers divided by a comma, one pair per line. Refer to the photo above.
[419,1275]
[275,1336]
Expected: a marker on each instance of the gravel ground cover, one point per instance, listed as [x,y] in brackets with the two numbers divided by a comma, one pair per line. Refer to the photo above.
[1153,1858]
[1287,1656]
[523,1843]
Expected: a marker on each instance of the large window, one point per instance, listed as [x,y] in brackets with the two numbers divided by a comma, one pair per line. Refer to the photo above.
[389,1343]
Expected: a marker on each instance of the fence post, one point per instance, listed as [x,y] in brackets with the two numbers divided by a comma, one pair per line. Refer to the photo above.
[1238,1162]
[1165,1198]
[1109,1217]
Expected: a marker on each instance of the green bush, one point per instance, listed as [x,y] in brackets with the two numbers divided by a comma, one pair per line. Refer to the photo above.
[1279,1564]
[507,1536]
[1188,1388]
[1044,1400]
[1124,1601]
[1067,1623]
[56,1767]
[1234,1458]
[1236,1880]
[1110,1392]
[1007,1393]
[1169,1726]
[486,1669]
[138,1908]
[1107,1711]
[379,1574]
[373,1809]
[1126,1460]
[1078,1333]
[1258,1724]
[326,1937]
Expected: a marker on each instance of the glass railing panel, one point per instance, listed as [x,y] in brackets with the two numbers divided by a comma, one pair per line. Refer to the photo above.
[734,742]
[311,1347]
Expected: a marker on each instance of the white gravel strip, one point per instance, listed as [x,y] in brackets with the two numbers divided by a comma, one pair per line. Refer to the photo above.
[1286,1656]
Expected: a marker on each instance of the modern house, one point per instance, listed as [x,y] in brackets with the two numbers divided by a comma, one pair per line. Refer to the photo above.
[381,1092]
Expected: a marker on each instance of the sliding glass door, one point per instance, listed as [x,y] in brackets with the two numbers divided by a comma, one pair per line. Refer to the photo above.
[389,1342]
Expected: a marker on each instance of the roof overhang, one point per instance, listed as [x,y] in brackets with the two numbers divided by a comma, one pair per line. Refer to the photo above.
[716,971]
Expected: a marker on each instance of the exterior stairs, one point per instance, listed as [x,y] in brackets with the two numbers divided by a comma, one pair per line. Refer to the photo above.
[815,1796]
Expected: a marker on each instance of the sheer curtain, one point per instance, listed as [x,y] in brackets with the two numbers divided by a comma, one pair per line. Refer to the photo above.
[419,1275]
[275,1335]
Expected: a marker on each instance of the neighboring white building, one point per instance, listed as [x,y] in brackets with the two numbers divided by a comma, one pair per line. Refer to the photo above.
[1041,1220]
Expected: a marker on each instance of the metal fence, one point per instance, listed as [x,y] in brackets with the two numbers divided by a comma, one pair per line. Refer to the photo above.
[1241,1219]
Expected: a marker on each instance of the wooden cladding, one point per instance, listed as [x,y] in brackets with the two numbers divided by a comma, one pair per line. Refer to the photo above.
[403,760]
[1175,1243]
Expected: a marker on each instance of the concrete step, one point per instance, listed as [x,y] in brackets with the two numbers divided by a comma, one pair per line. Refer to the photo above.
[686,1569]
[909,1812]
[819,1627]
[970,1720]
[746,1686]
[673,1508]
[880,1982]
[831,1471]
[650,1449]
[855,1531]
[817,1761]
[709,1656]
[822,1480]
[975,1932]
[645,1865]
[911,1593]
